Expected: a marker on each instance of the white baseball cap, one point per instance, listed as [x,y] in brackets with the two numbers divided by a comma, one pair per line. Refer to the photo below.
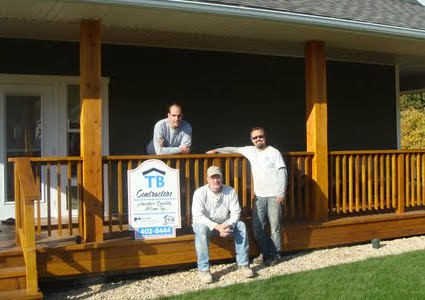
[214,170]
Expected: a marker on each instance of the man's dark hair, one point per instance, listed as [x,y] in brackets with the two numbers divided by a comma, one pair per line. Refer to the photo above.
[174,104]
[257,128]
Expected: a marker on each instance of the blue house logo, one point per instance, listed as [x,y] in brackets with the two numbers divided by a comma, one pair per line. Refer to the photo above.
[155,181]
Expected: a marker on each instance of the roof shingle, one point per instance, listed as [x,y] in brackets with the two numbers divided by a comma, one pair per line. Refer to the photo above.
[399,13]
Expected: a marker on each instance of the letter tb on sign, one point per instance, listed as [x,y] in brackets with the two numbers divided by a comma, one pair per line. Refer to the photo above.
[153,200]
[155,181]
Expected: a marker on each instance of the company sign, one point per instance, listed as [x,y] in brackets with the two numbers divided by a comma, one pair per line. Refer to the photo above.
[154,200]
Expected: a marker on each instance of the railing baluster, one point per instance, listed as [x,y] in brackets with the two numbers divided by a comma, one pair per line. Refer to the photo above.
[227,171]
[376,182]
[38,202]
[244,187]
[188,193]
[120,198]
[236,175]
[369,182]
[381,181]
[68,196]
[299,186]
[357,182]
[401,184]
[412,180]
[418,179]
[338,184]
[350,183]
[59,198]
[363,170]
[109,195]
[394,180]
[80,197]
[292,190]
[344,184]
[206,165]
[196,170]
[407,180]
[388,181]
[423,178]
[307,185]
[49,204]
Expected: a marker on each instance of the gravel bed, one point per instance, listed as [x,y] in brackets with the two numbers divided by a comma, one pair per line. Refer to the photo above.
[152,286]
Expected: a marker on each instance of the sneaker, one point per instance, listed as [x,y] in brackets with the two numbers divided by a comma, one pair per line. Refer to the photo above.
[259,260]
[246,271]
[205,276]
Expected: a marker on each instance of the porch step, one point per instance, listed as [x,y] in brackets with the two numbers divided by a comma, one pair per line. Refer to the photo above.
[11,258]
[12,279]
[20,295]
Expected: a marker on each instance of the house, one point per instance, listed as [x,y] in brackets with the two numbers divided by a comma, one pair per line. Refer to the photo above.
[323,78]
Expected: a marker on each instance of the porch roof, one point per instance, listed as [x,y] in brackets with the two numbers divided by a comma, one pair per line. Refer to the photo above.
[388,32]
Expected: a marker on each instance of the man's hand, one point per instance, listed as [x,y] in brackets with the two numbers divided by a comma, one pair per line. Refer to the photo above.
[161,142]
[214,151]
[224,229]
[279,200]
[184,149]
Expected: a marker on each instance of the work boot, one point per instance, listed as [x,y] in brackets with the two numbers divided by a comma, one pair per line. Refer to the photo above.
[271,261]
[259,260]
[205,276]
[246,271]
[268,261]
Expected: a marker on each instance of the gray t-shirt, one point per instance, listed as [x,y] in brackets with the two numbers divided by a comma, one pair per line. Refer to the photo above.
[173,138]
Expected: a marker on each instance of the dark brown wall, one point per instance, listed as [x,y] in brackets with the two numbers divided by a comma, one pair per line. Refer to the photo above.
[362,106]
[223,94]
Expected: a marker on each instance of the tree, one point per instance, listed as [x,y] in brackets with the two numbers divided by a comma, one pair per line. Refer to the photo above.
[412,101]
[413,128]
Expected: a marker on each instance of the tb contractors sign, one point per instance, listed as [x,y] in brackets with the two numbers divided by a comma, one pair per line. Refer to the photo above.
[154,200]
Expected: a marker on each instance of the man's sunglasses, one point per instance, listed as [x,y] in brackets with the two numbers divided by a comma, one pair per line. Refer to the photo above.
[257,137]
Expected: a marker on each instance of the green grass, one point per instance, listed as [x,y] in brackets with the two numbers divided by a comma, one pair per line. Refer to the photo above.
[391,277]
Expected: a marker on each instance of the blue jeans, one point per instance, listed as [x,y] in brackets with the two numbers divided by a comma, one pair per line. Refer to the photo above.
[266,208]
[202,242]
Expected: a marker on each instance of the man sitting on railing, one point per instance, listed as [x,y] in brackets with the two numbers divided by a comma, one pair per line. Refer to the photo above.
[216,211]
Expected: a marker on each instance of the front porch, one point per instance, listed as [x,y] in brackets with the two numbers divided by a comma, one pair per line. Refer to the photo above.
[372,194]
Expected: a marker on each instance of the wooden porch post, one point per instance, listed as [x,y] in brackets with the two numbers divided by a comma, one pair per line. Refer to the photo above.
[91,129]
[317,124]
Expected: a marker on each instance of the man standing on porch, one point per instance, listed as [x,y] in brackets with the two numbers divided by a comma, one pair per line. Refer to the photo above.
[270,179]
[171,135]
[216,211]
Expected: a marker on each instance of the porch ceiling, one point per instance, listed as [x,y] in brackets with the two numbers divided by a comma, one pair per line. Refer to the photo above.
[166,27]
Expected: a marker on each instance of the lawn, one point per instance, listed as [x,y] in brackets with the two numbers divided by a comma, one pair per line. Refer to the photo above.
[391,277]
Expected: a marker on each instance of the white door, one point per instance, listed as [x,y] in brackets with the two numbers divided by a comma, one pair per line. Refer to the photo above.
[39,116]
[27,128]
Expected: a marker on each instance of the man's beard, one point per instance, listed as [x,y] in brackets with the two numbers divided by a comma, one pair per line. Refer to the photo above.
[260,145]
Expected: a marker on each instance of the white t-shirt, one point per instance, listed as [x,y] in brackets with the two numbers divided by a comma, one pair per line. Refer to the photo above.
[265,165]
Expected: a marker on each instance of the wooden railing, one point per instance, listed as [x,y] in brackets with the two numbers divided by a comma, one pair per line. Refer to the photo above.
[367,181]
[236,173]
[59,182]
[359,182]
[64,174]
[26,192]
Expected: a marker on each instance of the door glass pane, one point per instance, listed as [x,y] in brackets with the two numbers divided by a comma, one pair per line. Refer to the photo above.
[73,132]
[23,132]
[73,120]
